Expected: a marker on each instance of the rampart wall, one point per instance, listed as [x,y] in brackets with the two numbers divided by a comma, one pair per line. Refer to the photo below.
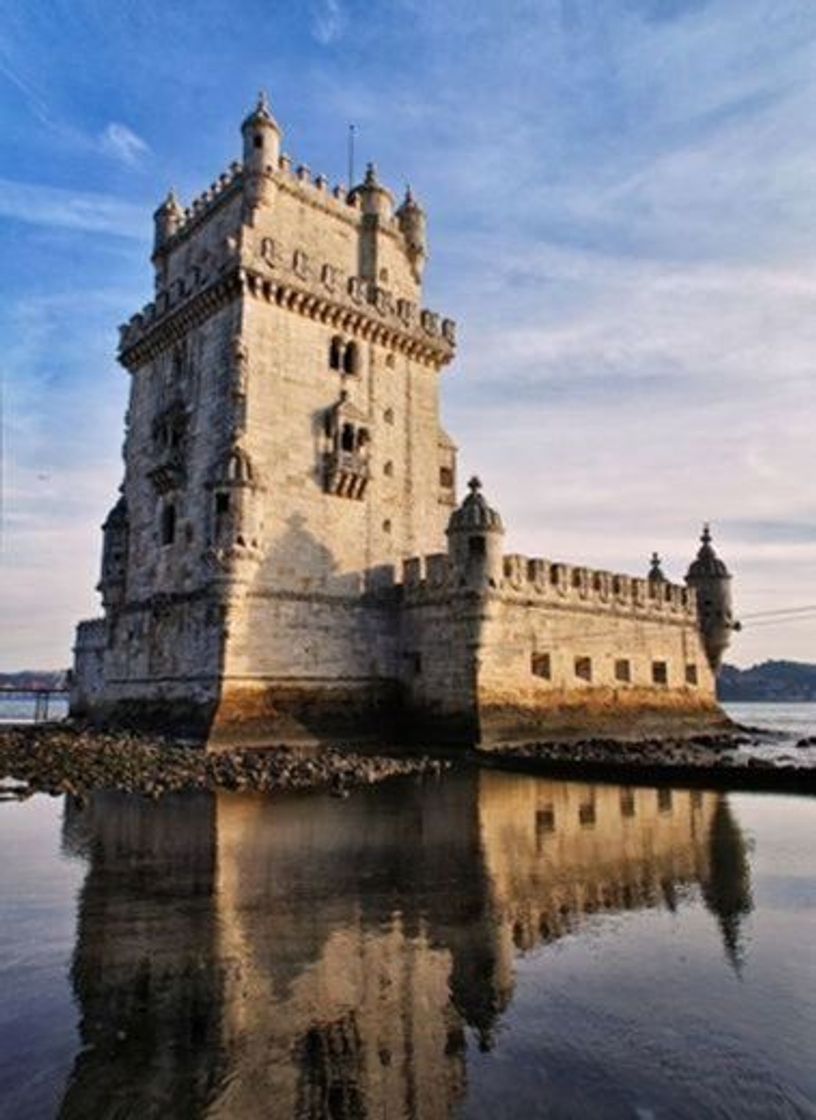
[553,648]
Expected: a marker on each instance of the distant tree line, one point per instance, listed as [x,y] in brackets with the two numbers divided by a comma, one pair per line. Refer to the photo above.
[34,678]
[788,681]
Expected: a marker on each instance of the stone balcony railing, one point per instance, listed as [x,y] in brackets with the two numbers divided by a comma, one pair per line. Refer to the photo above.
[346,474]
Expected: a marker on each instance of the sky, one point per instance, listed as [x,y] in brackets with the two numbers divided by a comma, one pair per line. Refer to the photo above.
[622,218]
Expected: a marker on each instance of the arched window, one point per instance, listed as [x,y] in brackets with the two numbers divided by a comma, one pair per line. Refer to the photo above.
[336,353]
[351,358]
[168,524]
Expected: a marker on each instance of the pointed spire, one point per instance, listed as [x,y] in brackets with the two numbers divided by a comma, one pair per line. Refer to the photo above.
[409,204]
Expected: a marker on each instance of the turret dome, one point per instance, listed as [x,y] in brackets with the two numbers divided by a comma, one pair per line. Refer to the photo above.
[409,204]
[655,569]
[708,564]
[261,114]
[474,515]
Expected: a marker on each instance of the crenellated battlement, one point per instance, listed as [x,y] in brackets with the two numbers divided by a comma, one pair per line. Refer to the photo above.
[316,288]
[536,580]
[241,233]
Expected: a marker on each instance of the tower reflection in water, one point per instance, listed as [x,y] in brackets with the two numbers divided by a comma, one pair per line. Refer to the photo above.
[239,955]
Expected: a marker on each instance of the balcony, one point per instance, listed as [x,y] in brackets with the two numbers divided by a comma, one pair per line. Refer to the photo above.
[346,474]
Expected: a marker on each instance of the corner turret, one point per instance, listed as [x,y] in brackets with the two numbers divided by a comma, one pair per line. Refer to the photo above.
[377,206]
[475,533]
[114,556]
[711,580]
[166,221]
[655,571]
[375,199]
[411,218]
[262,143]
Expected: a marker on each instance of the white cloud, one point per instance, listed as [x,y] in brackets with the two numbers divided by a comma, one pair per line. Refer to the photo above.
[328,21]
[122,142]
[80,210]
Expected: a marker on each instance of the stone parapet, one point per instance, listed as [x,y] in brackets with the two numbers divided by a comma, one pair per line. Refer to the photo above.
[204,205]
[556,583]
[540,582]
[355,307]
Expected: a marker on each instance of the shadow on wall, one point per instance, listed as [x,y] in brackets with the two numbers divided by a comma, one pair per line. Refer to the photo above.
[298,561]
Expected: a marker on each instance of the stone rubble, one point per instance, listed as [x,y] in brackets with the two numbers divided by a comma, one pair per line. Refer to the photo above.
[59,759]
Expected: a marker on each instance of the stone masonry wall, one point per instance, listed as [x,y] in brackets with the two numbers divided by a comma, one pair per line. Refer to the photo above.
[553,649]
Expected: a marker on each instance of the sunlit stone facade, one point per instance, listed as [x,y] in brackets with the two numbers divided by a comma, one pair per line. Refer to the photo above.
[287,559]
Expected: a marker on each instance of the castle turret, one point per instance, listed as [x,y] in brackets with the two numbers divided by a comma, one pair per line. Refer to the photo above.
[411,218]
[262,142]
[711,580]
[114,556]
[377,206]
[655,570]
[475,533]
[166,221]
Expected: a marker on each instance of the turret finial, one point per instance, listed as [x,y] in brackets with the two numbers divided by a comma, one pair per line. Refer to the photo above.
[655,571]
[263,102]
[370,175]
[475,484]
[706,537]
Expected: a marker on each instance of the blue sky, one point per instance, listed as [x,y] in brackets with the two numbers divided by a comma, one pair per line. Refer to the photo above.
[622,206]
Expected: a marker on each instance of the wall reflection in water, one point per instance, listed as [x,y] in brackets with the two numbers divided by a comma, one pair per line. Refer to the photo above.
[239,955]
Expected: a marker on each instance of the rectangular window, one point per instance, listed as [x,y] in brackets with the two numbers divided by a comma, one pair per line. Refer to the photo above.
[664,800]
[583,668]
[623,671]
[586,814]
[544,824]
[477,546]
[691,674]
[540,666]
[168,524]
[627,802]
[446,478]
[660,672]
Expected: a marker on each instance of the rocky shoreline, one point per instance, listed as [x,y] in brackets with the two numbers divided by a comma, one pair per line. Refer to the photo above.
[709,760]
[60,758]
[63,758]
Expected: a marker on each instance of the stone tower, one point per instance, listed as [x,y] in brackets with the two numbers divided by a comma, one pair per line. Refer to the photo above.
[287,560]
[711,580]
[283,451]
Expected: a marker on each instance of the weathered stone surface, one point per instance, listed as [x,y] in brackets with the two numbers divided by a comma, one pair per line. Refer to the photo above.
[282,562]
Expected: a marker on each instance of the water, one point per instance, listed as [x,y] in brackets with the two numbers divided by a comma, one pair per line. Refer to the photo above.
[484,945]
[20,709]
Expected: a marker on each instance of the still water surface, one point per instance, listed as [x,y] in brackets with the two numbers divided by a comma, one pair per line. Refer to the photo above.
[484,945]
